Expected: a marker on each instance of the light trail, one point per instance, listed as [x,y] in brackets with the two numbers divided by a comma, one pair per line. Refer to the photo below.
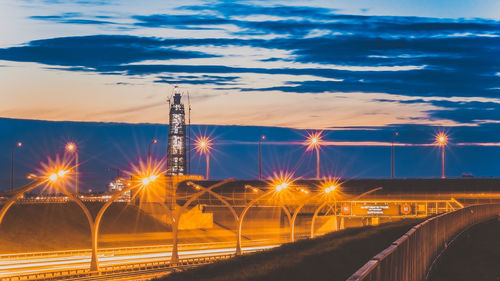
[39,265]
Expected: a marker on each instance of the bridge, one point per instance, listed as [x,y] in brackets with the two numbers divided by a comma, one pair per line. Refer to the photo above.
[304,209]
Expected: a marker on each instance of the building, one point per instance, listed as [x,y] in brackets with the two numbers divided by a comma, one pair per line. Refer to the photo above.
[118,184]
[176,150]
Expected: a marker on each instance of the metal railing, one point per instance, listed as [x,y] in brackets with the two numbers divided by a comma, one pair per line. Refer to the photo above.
[80,274]
[115,251]
[411,257]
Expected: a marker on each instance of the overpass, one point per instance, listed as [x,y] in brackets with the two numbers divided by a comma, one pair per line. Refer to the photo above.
[304,201]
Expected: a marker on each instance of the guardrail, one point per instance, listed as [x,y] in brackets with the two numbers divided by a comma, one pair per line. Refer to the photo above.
[86,274]
[411,257]
[114,251]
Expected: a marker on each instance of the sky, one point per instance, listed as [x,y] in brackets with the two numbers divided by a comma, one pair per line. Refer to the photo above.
[338,66]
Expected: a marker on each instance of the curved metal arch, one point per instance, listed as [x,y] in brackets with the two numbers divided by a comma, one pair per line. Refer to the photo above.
[90,219]
[249,205]
[297,211]
[225,202]
[20,192]
[98,219]
[219,197]
[177,214]
[315,215]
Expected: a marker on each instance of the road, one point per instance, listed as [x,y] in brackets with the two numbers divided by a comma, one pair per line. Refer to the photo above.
[15,265]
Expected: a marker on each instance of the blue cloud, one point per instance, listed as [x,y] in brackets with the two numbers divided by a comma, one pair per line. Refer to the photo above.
[198,80]
[94,51]
[179,21]
[455,57]
[72,18]
[471,112]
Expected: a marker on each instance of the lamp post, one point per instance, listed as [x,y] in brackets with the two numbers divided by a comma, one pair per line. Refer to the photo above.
[72,148]
[276,189]
[327,193]
[392,154]
[18,144]
[442,141]
[203,146]
[142,182]
[262,138]
[149,149]
[314,142]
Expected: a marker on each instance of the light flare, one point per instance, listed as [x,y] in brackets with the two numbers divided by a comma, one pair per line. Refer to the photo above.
[441,139]
[314,140]
[71,147]
[203,144]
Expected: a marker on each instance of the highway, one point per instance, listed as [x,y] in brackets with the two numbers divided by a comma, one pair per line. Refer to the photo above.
[27,263]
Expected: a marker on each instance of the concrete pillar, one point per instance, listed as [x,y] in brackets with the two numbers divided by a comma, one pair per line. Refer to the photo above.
[341,223]
[335,223]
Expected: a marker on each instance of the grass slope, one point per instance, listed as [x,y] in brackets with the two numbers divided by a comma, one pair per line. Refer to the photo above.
[334,256]
[475,255]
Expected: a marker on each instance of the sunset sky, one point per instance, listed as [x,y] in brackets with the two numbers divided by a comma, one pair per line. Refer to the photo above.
[299,64]
[358,69]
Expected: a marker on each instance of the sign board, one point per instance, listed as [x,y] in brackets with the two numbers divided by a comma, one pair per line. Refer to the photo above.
[375,210]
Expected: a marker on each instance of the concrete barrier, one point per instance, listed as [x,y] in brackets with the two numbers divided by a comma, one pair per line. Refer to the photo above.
[411,257]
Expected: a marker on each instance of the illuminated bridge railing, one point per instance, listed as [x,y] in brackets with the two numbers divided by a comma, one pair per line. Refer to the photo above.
[411,257]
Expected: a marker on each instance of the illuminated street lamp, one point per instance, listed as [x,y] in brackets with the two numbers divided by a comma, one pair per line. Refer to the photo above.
[52,175]
[149,149]
[203,146]
[18,144]
[442,141]
[145,180]
[276,188]
[314,142]
[326,194]
[262,138]
[180,209]
[72,148]
[37,181]
[329,191]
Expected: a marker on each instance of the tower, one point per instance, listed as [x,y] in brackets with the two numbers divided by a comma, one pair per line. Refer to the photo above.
[176,150]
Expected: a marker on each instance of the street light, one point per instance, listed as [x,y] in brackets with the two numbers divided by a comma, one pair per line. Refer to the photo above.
[277,186]
[392,154]
[180,209]
[149,149]
[327,192]
[442,141]
[72,148]
[18,144]
[262,138]
[203,146]
[314,142]
[142,181]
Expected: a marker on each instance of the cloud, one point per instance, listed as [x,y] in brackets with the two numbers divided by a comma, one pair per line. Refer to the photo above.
[467,112]
[179,21]
[72,18]
[198,80]
[94,51]
[410,57]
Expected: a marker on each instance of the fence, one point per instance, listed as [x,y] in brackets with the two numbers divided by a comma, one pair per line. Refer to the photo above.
[86,274]
[410,257]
